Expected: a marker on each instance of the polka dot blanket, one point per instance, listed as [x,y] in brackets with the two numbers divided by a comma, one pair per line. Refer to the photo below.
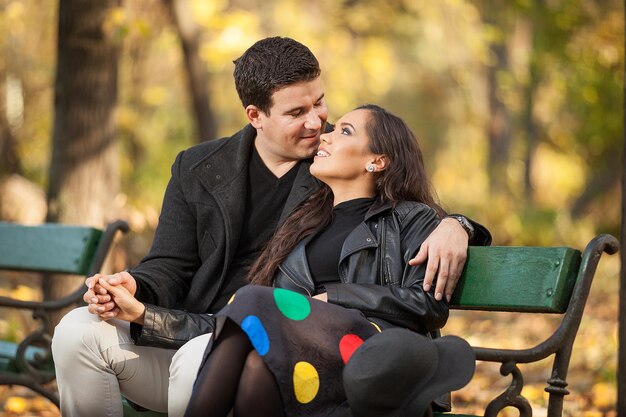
[304,342]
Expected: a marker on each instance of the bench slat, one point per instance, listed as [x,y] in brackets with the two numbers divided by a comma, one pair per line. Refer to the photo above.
[8,353]
[529,279]
[48,248]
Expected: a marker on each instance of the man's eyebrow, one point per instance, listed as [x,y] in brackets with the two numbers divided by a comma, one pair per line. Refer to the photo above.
[293,110]
[300,108]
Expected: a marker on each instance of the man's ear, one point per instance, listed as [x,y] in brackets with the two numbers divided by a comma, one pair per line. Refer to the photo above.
[254,115]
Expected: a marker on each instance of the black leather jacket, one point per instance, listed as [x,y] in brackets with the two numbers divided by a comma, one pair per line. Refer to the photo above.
[374,271]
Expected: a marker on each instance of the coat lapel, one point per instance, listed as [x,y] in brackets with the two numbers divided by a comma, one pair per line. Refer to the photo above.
[224,174]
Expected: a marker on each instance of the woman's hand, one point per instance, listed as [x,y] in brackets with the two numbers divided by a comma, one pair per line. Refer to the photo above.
[322,297]
[127,308]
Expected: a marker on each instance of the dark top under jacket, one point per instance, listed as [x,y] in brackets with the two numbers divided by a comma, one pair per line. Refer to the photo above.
[323,251]
[264,202]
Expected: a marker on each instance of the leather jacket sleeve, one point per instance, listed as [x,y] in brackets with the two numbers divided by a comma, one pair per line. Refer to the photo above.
[411,308]
[403,302]
[170,329]
[482,236]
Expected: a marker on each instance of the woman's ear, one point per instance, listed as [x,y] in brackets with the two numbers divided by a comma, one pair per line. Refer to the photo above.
[380,163]
[254,115]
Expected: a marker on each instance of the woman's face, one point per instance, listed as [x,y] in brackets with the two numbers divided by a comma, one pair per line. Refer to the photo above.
[344,153]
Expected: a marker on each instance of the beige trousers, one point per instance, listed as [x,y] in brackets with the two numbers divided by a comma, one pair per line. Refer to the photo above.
[96,362]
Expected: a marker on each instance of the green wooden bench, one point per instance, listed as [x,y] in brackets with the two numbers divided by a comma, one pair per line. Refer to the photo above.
[49,249]
[552,280]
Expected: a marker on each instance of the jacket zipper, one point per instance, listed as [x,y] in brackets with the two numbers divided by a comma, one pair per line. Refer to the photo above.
[294,281]
[383,243]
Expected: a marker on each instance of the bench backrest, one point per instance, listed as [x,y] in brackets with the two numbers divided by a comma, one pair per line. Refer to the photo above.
[48,248]
[529,279]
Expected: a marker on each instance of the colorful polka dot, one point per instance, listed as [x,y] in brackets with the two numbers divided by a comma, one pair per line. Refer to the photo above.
[348,344]
[256,333]
[306,382]
[293,305]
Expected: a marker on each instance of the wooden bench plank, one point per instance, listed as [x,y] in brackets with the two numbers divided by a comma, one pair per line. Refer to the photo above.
[48,248]
[523,279]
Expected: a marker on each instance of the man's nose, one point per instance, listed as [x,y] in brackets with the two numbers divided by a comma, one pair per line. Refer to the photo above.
[313,121]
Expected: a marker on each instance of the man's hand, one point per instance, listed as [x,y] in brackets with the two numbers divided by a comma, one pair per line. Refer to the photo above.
[98,298]
[446,251]
[127,307]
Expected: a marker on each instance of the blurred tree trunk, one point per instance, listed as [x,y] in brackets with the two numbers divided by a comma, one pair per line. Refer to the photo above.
[602,179]
[84,178]
[499,124]
[530,125]
[9,157]
[621,361]
[621,371]
[190,38]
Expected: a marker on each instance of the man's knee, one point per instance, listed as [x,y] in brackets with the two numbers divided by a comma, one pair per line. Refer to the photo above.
[183,371]
[68,334]
[187,359]
[80,332]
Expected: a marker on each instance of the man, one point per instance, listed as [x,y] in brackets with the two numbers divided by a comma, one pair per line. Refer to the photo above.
[223,202]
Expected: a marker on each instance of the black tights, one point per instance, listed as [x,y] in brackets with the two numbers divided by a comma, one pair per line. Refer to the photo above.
[234,377]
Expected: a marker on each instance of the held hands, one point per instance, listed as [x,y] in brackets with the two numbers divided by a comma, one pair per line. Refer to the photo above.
[446,251]
[127,307]
[112,296]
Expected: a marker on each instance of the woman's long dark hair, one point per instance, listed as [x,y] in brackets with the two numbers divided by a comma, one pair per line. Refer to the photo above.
[404,179]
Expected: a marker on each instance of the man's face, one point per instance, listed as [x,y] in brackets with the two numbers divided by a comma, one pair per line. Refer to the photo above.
[291,131]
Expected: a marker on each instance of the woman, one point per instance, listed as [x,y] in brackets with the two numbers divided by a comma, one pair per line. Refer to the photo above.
[279,352]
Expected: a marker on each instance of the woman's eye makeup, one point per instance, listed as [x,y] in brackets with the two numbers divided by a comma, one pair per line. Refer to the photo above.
[345,131]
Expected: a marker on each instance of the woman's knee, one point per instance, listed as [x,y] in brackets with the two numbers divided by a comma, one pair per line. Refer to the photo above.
[254,372]
[257,389]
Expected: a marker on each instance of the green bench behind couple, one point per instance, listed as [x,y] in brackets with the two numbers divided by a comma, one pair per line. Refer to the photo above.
[551,280]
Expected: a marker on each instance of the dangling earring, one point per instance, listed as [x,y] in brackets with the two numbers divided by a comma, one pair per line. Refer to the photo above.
[370,168]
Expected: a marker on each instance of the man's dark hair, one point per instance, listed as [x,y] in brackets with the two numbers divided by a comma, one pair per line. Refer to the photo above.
[269,65]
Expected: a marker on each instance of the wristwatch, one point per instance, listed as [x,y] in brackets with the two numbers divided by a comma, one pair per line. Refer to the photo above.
[465,224]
